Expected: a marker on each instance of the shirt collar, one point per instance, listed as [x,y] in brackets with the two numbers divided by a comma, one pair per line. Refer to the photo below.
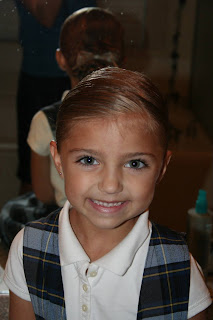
[124,252]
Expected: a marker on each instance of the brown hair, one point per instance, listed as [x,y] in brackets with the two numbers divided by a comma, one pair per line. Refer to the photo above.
[92,38]
[109,92]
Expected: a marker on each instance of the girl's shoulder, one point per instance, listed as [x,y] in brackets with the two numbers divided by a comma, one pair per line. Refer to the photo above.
[48,223]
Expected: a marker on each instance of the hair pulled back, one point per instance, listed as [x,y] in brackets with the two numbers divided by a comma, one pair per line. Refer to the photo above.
[92,38]
[109,92]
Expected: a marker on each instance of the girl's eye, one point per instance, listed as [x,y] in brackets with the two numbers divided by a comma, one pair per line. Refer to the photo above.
[135,164]
[88,161]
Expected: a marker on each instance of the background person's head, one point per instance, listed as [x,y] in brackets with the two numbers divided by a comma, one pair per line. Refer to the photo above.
[110,92]
[90,39]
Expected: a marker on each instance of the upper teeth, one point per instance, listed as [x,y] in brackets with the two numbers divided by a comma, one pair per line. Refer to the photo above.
[107,204]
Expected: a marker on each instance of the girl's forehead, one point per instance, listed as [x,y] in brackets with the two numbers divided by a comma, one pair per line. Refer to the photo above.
[124,124]
[117,135]
[122,121]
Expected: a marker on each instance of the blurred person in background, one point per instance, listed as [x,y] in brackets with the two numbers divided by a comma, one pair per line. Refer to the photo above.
[41,81]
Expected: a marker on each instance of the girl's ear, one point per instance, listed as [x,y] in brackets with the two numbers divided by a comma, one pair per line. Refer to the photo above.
[61,60]
[165,164]
[56,157]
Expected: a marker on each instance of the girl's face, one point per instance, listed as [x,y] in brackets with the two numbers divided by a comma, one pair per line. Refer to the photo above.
[110,171]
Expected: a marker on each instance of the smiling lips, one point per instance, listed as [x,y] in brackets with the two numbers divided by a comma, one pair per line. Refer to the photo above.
[112,207]
[107,204]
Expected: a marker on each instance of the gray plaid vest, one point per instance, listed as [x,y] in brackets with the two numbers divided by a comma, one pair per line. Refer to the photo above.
[165,285]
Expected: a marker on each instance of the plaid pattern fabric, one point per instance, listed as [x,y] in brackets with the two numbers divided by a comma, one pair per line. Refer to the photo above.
[42,268]
[166,280]
[165,285]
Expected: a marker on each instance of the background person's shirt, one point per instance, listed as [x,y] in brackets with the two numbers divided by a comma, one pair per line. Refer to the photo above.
[39,43]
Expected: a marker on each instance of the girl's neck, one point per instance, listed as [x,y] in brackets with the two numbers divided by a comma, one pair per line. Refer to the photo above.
[98,242]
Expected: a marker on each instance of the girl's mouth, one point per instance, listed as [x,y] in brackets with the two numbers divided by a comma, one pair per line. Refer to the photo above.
[107,204]
[108,207]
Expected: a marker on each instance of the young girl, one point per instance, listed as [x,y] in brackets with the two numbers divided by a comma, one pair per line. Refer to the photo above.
[100,257]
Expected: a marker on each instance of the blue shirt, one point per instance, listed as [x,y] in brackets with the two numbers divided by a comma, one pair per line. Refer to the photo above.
[40,43]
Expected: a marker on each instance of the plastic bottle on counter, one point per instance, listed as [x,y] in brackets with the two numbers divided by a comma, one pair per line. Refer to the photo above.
[199,231]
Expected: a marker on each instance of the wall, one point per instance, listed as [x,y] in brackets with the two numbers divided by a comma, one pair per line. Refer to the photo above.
[9,67]
[149,26]
[201,96]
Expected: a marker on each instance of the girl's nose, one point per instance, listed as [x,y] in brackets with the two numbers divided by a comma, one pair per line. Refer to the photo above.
[110,182]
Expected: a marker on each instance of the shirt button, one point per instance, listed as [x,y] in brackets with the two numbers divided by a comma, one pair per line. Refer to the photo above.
[85,288]
[93,274]
[84,308]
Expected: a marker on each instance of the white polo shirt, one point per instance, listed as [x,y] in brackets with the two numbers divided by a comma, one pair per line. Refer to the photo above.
[107,289]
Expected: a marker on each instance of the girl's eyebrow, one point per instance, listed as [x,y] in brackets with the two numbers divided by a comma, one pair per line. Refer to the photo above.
[124,156]
[137,154]
[91,151]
